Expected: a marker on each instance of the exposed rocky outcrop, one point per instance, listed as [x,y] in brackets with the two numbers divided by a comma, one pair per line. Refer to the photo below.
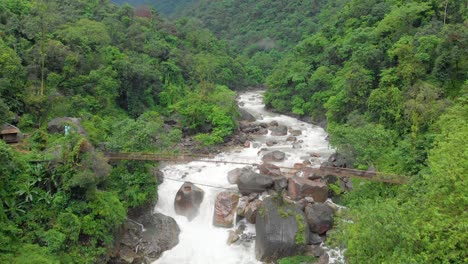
[57,125]
[138,245]
[299,187]
[188,199]
[225,209]
[281,231]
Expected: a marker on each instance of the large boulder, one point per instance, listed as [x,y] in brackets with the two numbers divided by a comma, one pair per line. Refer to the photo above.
[280,182]
[274,156]
[252,182]
[65,124]
[188,200]
[269,169]
[319,217]
[299,187]
[251,210]
[339,160]
[281,231]
[233,175]
[310,173]
[144,240]
[280,130]
[246,116]
[225,209]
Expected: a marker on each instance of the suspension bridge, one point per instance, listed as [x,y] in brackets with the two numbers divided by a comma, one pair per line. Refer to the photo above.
[321,171]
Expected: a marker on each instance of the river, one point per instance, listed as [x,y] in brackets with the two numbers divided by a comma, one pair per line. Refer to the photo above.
[201,242]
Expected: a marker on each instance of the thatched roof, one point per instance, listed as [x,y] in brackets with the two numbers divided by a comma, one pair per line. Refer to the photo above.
[8,129]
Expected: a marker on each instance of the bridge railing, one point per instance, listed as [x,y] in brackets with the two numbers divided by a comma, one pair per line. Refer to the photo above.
[320,171]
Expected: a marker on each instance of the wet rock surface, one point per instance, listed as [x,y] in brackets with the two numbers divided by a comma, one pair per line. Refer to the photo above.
[188,199]
[225,209]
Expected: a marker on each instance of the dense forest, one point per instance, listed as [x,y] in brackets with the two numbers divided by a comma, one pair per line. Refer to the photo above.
[390,80]
[166,7]
[387,77]
[124,72]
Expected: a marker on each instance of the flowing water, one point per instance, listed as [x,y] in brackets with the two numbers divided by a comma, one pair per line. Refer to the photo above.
[199,241]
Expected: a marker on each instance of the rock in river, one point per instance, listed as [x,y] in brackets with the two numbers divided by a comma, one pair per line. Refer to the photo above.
[188,200]
[280,130]
[225,209]
[299,187]
[138,245]
[320,217]
[274,156]
[252,182]
[281,231]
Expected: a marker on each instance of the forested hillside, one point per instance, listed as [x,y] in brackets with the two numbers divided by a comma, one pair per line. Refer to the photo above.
[390,79]
[166,7]
[261,31]
[124,72]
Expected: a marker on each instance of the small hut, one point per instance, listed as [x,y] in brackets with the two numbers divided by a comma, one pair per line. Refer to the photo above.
[9,133]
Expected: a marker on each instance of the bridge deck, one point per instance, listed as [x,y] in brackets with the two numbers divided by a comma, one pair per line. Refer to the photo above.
[321,171]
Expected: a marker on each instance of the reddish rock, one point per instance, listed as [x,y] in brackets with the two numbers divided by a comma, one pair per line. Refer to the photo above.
[251,211]
[269,169]
[225,209]
[188,200]
[247,144]
[310,173]
[299,187]
[291,139]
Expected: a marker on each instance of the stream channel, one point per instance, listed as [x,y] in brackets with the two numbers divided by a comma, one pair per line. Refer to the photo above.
[199,241]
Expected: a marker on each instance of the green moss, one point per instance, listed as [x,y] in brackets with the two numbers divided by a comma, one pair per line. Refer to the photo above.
[284,212]
[296,259]
[335,188]
[300,237]
[261,211]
